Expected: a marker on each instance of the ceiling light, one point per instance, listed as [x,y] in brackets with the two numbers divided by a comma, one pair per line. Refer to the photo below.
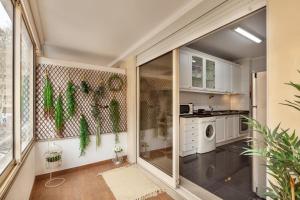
[248,35]
[193,61]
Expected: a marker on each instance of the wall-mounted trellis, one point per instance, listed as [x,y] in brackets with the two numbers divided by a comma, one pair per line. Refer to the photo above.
[45,128]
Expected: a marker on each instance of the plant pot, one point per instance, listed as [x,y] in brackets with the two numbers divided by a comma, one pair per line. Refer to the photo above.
[118,158]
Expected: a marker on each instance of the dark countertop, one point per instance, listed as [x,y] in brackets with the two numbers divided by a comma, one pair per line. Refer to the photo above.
[216,113]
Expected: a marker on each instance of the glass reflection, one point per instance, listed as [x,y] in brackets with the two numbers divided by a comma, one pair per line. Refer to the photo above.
[156,112]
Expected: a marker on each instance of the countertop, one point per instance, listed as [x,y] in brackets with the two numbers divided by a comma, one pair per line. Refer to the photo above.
[216,113]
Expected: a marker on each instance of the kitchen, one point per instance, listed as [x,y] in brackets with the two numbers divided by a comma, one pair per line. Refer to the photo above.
[215,97]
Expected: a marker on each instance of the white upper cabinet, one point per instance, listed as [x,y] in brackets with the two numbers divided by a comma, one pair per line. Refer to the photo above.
[223,77]
[197,71]
[201,72]
[236,81]
[210,74]
[185,70]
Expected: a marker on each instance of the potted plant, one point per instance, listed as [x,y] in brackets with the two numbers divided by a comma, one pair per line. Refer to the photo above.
[282,155]
[118,158]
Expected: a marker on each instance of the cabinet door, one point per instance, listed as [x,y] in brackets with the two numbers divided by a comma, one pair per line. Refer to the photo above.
[197,71]
[220,76]
[235,79]
[229,128]
[226,77]
[220,129]
[236,126]
[185,70]
[210,74]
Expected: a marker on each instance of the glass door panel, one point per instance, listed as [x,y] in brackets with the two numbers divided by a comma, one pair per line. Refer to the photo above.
[210,74]
[197,71]
[156,113]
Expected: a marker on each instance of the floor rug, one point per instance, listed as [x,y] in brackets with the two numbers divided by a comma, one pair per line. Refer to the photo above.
[130,183]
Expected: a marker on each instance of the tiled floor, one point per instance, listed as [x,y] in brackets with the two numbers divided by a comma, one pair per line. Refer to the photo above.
[83,184]
[224,172]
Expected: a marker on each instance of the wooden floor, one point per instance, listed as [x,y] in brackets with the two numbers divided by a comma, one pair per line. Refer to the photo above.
[81,184]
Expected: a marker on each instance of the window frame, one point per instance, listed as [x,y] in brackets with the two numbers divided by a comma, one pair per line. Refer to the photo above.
[19,156]
[32,88]
[7,170]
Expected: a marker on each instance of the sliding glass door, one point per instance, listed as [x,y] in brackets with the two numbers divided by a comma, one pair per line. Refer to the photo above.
[158,116]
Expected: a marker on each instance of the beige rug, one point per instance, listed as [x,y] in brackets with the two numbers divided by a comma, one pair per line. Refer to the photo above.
[130,183]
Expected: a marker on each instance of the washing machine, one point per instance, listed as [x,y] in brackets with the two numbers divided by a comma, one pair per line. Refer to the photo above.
[207,135]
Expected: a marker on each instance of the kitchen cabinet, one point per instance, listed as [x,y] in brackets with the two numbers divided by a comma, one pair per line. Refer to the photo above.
[185,70]
[188,136]
[236,126]
[200,72]
[223,77]
[197,71]
[220,129]
[232,126]
[236,79]
[210,74]
[229,127]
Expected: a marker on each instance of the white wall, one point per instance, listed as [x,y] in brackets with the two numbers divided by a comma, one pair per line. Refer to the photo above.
[218,101]
[71,152]
[23,183]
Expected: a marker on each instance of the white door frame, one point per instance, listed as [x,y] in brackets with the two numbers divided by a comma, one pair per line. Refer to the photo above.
[173,180]
[230,11]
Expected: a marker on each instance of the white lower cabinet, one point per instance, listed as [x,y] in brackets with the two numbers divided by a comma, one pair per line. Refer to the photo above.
[189,128]
[220,129]
[227,128]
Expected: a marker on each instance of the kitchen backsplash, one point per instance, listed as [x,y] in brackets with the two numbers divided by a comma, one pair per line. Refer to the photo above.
[203,101]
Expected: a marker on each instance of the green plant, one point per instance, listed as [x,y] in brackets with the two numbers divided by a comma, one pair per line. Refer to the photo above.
[282,154]
[84,87]
[59,115]
[71,102]
[114,110]
[48,97]
[295,103]
[96,114]
[84,134]
[95,110]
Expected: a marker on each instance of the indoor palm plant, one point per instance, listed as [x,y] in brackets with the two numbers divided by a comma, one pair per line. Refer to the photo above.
[282,154]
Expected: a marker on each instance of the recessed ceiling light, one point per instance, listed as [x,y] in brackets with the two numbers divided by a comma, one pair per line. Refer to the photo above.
[193,61]
[248,35]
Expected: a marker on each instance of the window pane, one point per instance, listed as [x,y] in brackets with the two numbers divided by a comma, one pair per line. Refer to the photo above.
[26,101]
[6,83]
[156,126]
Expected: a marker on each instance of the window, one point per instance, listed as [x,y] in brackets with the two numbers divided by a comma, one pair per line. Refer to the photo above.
[26,87]
[6,84]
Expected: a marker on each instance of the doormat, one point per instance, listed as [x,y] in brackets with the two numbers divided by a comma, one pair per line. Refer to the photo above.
[130,183]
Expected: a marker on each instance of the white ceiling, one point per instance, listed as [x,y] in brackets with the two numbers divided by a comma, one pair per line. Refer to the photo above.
[227,44]
[99,31]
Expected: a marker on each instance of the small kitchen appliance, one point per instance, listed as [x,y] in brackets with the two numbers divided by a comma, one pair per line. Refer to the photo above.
[186,109]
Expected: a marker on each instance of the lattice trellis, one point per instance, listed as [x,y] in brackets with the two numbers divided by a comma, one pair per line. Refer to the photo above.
[45,128]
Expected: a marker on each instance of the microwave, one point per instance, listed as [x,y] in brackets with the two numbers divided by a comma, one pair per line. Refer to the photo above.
[186,109]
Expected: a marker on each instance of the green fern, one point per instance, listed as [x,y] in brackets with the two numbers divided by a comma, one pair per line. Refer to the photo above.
[48,97]
[84,134]
[295,103]
[71,102]
[114,109]
[59,115]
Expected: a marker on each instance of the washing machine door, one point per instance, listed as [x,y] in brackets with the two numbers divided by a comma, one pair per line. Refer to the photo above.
[210,131]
